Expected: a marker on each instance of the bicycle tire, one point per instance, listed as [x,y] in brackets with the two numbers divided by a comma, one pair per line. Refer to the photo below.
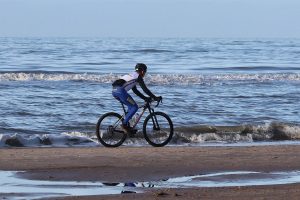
[110,131]
[168,126]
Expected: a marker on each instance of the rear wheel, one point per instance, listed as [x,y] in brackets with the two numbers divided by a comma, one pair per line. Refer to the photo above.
[158,129]
[108,130]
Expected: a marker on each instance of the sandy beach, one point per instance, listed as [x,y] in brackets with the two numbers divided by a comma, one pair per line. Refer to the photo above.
[131,164]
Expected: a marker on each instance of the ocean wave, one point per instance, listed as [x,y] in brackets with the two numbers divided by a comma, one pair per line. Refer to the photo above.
[250,68]
[145,50]
[189,135]
[56,76]
[53,140]
[244,133]
[163,79]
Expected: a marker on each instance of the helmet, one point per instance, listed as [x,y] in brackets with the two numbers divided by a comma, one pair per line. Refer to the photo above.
[141,67]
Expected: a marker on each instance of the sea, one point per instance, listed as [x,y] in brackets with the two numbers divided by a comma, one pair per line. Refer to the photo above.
[216,90]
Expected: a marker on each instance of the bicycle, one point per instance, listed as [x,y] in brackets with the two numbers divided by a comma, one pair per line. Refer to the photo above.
[157,127]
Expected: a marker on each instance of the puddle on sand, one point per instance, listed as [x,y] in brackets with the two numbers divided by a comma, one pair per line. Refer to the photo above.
[18,188]
[238,178]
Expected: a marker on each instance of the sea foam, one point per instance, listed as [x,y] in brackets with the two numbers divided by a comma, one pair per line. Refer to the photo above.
[194,135]
[55,140]
[162,79]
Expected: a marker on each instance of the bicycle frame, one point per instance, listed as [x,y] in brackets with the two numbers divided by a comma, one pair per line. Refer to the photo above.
[157,127]
[145,106]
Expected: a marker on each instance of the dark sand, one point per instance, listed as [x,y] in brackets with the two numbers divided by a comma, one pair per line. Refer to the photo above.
[130,164]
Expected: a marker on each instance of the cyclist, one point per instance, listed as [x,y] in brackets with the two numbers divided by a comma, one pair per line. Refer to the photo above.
[128,82]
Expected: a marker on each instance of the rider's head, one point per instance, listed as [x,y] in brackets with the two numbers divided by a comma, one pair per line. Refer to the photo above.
[141,68]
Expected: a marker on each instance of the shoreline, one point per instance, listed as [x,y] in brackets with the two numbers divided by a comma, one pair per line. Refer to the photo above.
[126,164]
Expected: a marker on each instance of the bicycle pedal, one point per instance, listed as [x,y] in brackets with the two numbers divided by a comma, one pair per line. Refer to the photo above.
[132,133]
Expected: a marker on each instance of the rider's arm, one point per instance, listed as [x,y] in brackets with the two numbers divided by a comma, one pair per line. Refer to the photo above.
[144,87]
[138,93]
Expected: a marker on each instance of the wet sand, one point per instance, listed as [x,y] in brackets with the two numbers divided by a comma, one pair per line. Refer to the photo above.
[130,164]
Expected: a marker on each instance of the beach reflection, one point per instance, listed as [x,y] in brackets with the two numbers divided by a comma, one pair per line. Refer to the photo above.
[18,188]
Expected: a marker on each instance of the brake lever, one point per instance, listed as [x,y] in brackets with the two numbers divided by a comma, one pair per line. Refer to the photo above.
[158,102]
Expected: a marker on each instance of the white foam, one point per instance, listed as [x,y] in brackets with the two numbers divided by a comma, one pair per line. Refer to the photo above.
[248,133]
[163,79]
[267,132]
[27,76]
[277,130]
[202,138]
[55,140]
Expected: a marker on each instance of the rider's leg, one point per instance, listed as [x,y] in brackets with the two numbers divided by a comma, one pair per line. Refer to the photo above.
[132,108]
[126,99]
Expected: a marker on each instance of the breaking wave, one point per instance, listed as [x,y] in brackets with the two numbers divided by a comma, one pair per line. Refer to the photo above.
[61,140]
[245,133]
[163,79]
[189,135]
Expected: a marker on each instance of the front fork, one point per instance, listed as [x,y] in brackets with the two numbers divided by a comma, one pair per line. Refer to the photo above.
[154,120]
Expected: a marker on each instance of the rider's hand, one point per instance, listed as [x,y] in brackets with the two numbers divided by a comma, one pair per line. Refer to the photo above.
[159,98]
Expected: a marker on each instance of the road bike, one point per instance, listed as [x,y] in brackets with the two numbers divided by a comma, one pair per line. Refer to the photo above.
[157,127]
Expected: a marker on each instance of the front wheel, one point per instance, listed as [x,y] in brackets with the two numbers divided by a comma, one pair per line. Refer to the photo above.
[108,130]
[158,129]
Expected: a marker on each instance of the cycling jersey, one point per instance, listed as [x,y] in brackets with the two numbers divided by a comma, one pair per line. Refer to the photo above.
[129,81]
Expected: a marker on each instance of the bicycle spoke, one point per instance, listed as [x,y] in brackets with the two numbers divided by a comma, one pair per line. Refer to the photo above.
[109,131]
[158,129]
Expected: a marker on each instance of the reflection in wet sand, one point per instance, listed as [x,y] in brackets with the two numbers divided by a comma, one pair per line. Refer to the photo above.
[17,188]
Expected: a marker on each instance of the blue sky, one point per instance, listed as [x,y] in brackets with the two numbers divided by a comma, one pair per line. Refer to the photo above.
[150,18]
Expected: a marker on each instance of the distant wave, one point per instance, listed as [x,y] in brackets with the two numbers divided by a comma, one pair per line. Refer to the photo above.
[163,79]
[191,135]
[146,50]
[200,79]
[56,76]
[249,68]
[95,63]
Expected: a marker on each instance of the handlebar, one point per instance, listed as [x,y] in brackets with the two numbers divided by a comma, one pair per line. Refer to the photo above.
[152,100]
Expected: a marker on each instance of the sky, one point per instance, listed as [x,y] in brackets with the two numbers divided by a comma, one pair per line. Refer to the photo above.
[150,18]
